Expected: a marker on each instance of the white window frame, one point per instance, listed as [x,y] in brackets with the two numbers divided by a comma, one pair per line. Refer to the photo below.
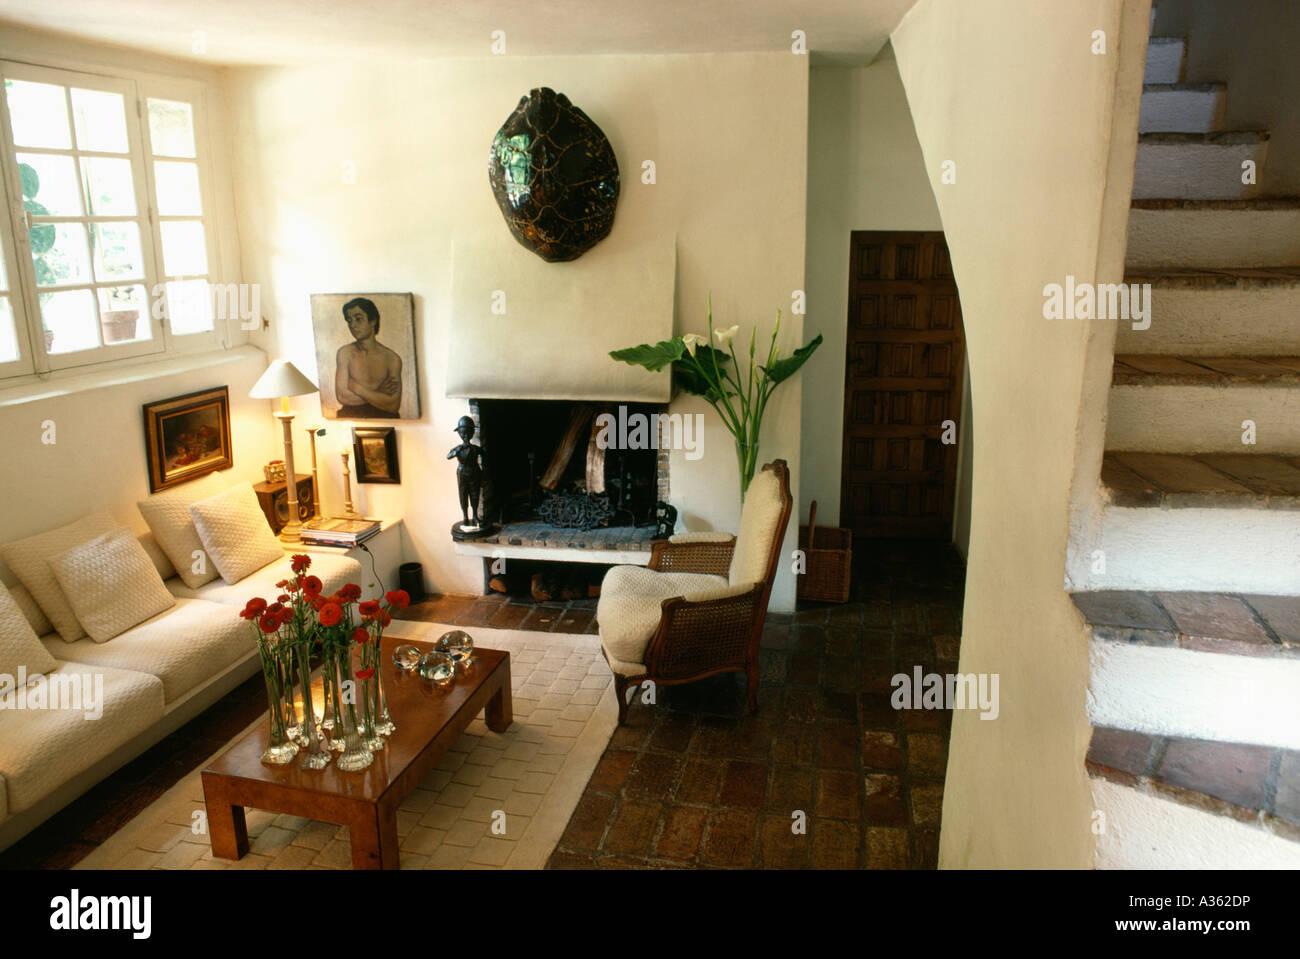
[136,90]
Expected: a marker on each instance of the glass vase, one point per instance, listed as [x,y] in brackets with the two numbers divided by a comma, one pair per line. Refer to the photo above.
[280,748]
[384,724]
[370,698]
[292,724]
[316,757]
[356,754]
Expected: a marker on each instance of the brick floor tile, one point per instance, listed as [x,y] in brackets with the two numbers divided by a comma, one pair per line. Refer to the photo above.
[612,770]
[835,794]
[699,781]
[730,840]
[1122,608]
[883,799]
[681,832]
[653,776]
[633,828]
[792,788]
[882,750]
[1122,753]
[835,845]
[795,744]
[837,747]
[782,847]
[927,803]
[1232,772]
[927,754]
[927,848]
[744,784]
[886,848]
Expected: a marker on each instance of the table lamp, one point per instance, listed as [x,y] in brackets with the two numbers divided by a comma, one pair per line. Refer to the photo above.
[284,380]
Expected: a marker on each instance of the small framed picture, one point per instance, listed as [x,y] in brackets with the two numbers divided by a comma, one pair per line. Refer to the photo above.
[187,437]
[375,450]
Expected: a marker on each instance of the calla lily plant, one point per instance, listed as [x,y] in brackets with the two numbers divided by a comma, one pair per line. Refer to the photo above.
[713,372]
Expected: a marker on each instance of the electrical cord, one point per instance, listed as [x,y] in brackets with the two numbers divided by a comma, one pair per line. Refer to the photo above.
[373,568]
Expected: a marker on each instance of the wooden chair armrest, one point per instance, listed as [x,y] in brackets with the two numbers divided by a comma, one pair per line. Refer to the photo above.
[704,632]
[692,556]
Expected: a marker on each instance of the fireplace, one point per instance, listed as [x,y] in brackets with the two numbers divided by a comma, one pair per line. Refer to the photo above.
[551,479]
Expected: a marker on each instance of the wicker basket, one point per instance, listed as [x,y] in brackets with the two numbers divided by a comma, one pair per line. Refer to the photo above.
[828,551]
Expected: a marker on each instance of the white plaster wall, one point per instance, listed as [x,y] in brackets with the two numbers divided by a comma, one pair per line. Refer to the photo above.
[865,172]
[1166,691]
[1147,832]
[1010,92]
[1251,47]
[728,136]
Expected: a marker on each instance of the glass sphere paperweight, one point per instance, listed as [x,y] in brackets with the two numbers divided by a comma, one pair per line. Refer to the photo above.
[406,658]
[437,667]
[457,644]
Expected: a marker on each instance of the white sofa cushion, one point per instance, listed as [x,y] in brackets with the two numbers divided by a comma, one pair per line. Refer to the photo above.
[235,533]
[758,526]
[111,584]
[333,570]
[39,622]
[149,543]
[168,516]
[630,604]
[42,749]
[29,559]
[19,645]
[184,647]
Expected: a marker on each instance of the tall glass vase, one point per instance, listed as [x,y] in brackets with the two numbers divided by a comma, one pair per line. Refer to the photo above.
[384,724]
[280,747]
[746,460]
[317,757]
[356,754]
[293,725]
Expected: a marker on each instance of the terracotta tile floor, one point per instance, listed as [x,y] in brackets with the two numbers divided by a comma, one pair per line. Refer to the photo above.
[696,782]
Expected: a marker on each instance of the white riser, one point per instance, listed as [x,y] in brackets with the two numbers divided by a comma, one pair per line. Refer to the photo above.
[1196,171]
[1180,692]
[1231,321]
[1203,419]
[1181,110]
[1242,550]
[1147,832]
[1208,237]
[1165,59]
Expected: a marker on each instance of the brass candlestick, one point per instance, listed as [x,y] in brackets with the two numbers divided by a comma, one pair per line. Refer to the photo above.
[347,487]
[312,433]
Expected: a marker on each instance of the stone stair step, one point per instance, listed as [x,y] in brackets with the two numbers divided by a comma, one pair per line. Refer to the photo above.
[1206,233]
[1165,59]
[1189,480]
[1182,107]
[1200,166]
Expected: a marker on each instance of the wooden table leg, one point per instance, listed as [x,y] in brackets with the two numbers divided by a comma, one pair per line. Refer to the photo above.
[227,827]
[500,713]
[374,838]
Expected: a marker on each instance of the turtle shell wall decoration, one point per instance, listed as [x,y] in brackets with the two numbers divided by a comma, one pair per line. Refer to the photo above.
[554,176]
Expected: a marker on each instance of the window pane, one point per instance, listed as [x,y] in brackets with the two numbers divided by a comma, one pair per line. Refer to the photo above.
[110,189]
[171,128]
[189,306]
[67,261]
[69,320]
[178,188]
[38,114]
[124,314]
[117,251]
[8,333]
[100,120]
[50,186]
[184,250]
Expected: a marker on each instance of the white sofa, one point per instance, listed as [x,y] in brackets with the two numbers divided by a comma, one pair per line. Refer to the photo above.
[156,676]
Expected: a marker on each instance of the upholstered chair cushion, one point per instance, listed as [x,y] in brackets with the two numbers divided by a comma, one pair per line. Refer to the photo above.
[29,559]
[19,644]
[235,533]
[758,527]
[111,583]
[169,519]
[630,604]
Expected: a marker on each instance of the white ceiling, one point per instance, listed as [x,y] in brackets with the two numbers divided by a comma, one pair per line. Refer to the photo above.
[301,31]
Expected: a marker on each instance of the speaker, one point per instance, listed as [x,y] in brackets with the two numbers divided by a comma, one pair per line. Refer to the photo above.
[274,499]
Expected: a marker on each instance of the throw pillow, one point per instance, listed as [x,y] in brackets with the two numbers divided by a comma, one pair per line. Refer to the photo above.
[19,645]
[39,621]
[235,533]
[111,583]
[29,560]
[168,516]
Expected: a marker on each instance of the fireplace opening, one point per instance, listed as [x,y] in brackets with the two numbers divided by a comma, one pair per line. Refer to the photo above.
[571,465]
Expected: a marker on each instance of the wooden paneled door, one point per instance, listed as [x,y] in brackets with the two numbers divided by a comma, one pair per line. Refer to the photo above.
[902,380]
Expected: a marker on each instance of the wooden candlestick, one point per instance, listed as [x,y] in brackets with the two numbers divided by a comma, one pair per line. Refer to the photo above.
[347,487]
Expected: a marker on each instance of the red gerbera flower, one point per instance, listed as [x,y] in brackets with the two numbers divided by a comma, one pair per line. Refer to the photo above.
[369,609]
[282,584]
[255,605]
[365,673]
[299,562]
[312,585]
[268,623]
[398,598]
[384,618]
[330,614]
[360,635]
[350,593]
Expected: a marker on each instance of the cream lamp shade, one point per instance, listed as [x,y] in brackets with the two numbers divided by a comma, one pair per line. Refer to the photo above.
[281,378]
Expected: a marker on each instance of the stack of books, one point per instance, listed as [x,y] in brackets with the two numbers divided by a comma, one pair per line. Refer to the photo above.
[338,530]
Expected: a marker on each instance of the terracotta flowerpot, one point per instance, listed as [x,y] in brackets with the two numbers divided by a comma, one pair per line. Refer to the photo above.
[119,325]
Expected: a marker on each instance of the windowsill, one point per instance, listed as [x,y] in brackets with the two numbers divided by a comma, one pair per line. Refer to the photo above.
[65,382]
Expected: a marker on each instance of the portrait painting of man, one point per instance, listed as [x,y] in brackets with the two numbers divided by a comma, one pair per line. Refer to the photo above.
[365,355]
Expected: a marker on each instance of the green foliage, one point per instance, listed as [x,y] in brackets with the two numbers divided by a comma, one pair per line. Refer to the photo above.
[783,369]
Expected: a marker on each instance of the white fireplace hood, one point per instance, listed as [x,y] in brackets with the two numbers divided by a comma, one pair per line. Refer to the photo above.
[522,328]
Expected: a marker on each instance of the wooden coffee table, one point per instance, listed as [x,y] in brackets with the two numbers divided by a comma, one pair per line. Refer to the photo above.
[428,721]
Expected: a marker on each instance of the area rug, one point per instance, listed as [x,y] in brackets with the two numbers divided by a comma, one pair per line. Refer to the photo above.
[534,773]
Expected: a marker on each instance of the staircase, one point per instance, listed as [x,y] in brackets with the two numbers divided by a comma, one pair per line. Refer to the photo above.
[1194,598]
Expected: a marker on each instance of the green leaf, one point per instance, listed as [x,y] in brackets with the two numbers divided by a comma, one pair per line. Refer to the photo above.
[688,378]
[30,180]
[787,367]
[653,358]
